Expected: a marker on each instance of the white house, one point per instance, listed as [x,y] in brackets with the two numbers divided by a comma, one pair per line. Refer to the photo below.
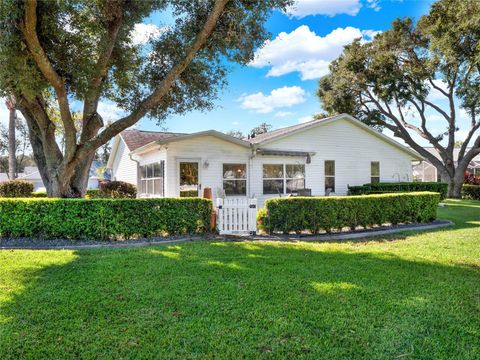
[322,156]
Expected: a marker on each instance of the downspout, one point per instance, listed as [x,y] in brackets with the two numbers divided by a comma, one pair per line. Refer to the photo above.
[138,171]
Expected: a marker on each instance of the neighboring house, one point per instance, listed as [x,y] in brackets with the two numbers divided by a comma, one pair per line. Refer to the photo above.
[425,171]
[324,156]
[32,174]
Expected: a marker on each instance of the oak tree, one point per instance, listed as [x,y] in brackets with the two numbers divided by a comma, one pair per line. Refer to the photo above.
[388,83]
[71,54]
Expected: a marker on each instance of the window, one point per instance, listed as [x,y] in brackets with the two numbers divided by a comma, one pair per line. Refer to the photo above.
[295,177]
[329,176]
[476,172]
[151,179]
[375,172]
[283,178]
[235,179]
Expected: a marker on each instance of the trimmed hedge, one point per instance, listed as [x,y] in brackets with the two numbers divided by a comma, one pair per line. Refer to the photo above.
[15,188]
[313,214]
[400,187]
[471,192]
[103,218]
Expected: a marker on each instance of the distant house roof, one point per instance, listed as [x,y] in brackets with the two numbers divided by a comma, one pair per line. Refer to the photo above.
[135,139]
[456,151]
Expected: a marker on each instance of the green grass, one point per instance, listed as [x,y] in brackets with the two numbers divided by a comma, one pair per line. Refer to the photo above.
[408,296]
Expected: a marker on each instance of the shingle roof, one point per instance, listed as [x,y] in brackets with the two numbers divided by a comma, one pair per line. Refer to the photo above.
[138,138]
[283,131]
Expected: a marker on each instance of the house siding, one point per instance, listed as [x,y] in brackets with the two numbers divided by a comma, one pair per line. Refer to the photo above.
[124,168]
[351,147]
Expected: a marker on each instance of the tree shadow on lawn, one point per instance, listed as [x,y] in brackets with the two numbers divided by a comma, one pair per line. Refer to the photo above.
[231,300]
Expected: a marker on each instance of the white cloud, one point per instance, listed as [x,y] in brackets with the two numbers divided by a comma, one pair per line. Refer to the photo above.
[305,119]
[109,111]
[142,33]
[282,114]
[303,8]
[283,97]
[305,52]
[235,123]
[374,4]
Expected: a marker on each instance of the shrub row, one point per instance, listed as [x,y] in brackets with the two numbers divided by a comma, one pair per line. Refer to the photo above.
[15,188]
[313,214]
[108,189]
[103,218]
[471,192]
[381,188]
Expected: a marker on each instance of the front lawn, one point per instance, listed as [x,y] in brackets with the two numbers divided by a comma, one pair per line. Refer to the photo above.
[409,296]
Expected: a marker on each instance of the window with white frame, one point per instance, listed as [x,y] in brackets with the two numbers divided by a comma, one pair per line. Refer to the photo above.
[235,179]
[329,176]
[283,178]
[152,179]
[375,172]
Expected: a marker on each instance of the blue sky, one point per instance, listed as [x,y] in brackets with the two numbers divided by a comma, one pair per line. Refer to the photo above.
[280,88]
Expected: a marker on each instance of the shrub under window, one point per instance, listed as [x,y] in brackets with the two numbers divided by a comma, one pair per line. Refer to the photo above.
[338,212]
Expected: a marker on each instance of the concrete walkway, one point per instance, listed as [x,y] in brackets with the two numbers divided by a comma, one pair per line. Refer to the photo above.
[37,244]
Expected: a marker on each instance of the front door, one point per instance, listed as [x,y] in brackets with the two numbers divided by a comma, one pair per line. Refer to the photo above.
[189,180]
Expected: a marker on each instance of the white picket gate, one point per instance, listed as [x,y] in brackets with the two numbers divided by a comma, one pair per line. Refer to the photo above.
[237,216]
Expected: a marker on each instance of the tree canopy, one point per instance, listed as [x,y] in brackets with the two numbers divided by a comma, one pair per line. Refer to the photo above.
[58,53]
[388,83]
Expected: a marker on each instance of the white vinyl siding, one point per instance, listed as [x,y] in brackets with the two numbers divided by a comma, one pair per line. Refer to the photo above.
[124,168]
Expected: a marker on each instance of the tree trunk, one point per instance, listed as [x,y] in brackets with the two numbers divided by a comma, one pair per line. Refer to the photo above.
[455,181]
[12,160]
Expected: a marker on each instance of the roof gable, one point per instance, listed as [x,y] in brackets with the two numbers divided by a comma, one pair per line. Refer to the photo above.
[135,139]
[181,137]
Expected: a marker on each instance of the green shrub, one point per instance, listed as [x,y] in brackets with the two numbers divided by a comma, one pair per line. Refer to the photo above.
[471,192]
[15,188]
[382,188]
[117,190]
[337,212]
[103,218]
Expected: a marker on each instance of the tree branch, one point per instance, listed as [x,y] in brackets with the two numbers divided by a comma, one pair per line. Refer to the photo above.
[164,87]
[113,9]
[40,57]
[401,132]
